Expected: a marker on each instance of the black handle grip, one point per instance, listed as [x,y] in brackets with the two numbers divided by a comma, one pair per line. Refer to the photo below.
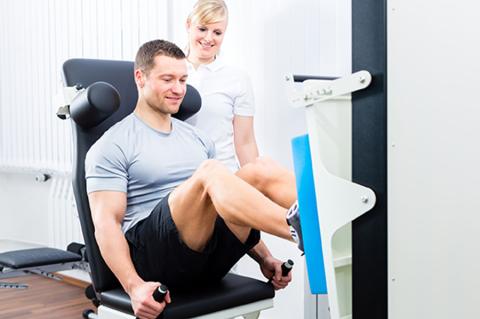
[301,78]
[287,267]
[159,293]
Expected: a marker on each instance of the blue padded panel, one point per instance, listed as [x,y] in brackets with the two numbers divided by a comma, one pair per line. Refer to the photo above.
[308,214]
[232,291]
[36,257]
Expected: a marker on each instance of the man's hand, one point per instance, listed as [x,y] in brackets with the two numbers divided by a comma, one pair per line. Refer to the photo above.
[272,269]
[143,304]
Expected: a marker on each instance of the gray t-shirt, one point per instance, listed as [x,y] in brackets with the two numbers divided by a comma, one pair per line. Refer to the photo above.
[146,164]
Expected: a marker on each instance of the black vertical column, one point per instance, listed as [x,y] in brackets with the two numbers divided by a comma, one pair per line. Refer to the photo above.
[369,159]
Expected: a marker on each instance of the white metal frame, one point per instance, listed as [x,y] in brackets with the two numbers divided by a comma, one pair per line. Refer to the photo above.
[339,201]
[316,91]
[248,311]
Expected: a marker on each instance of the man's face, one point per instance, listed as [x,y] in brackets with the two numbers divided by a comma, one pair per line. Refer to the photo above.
[164,87]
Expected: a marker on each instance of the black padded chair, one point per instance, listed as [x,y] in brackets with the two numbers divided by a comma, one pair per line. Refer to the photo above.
[110,94]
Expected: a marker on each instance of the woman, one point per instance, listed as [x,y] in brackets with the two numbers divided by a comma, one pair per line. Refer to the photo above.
[227,96]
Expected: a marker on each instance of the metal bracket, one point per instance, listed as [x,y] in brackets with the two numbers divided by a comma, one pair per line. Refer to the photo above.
[43,273]
[45,270]
[64,98]
[314,91]
[12,285]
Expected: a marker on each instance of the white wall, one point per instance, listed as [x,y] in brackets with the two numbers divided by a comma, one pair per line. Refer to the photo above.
[268,38]
[433,158]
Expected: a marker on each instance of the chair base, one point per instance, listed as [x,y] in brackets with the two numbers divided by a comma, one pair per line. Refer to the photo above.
[248,311]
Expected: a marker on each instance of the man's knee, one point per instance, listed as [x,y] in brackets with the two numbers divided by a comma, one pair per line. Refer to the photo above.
[259,171]
[209,171]
[264,162]
[210,166]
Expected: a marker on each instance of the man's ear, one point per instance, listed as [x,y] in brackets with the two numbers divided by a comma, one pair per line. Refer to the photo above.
[139,78]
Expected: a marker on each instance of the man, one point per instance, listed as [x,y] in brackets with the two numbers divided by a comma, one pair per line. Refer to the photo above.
[164,209]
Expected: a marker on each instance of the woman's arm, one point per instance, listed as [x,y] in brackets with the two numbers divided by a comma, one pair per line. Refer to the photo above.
[244,139]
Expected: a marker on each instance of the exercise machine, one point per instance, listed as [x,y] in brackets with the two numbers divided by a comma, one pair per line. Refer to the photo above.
[104,92]
[42,261]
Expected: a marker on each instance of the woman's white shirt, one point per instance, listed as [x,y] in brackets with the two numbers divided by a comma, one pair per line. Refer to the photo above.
[225,91]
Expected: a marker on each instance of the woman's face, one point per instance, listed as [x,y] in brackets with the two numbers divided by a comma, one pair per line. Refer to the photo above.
[205,40]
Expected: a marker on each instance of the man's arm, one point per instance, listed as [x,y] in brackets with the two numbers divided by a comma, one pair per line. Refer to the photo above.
[269,265]
[108,210]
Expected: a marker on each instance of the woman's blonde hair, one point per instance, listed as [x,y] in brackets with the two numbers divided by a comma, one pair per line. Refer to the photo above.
[208,11]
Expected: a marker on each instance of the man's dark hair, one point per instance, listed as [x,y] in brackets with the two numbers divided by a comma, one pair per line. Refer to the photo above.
[148,51]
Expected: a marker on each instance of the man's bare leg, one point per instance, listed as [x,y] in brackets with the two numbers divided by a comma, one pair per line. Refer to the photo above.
[273,180]
[193,213]
[214,189]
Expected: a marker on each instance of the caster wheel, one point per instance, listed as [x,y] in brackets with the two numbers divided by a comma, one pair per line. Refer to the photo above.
[90,294]
[87,312]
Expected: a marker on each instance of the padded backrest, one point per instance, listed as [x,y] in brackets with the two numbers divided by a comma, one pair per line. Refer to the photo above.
[107,83]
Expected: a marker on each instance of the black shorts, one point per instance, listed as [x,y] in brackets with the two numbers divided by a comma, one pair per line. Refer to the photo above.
[159,254]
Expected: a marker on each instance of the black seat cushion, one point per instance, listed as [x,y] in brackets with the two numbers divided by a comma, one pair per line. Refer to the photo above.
[232,291]
[36,257]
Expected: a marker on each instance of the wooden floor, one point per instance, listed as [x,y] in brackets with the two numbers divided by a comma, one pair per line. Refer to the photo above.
[45,298]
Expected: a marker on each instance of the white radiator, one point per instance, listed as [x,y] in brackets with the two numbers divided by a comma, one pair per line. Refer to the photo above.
[32,54]
[62,213]
[32,139]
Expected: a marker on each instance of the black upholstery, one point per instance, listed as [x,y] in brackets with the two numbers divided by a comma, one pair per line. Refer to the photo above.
[84,73]
[36,257]
[91,117]
[97,103]
[118,75]
[233,291]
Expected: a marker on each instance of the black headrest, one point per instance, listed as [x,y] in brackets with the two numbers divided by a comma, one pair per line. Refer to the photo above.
[101,99]
[93,105]
[190,105]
